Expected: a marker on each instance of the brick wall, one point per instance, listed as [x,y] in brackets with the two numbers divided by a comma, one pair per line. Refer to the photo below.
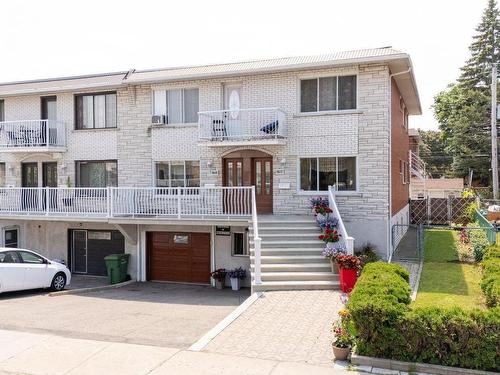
[399,149]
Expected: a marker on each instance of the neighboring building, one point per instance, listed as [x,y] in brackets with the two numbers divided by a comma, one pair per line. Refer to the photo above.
[161,163]
[436,188]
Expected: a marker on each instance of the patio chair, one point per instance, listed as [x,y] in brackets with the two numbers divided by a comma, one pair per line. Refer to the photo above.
[271,128]
[219,132]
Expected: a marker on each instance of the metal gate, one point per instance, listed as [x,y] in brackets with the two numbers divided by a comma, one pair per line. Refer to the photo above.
[407,242]
[439,211]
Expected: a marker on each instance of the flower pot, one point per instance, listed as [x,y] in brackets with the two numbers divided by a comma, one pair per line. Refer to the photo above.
[348,279]
[235,283]
[335,266]
[341,354]
[219,284]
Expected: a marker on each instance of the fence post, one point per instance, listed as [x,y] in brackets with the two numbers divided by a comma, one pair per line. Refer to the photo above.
[450,216]
[429,210]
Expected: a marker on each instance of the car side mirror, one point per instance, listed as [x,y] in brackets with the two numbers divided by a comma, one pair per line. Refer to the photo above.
[45,261]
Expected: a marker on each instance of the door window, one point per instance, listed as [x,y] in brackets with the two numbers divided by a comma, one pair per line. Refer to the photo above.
[9,257]
[30,258]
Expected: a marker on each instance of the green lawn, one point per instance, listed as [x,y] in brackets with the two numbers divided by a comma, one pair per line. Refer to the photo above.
[444,281]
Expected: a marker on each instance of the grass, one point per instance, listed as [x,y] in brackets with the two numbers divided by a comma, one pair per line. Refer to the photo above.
[445,282]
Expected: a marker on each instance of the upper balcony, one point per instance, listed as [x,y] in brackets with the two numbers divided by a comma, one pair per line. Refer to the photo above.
[242,127]
[32,136]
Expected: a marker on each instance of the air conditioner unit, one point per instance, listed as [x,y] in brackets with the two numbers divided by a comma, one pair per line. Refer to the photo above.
[158,119]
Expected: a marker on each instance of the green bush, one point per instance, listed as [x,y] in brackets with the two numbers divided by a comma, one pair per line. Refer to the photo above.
[386,327]
[490,283]
[479,242]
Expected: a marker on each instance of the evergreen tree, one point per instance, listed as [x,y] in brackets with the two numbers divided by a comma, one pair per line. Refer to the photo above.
[484,50]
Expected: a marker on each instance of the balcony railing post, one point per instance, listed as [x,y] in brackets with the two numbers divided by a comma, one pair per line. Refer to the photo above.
[179,202]
[47,199]
[111,201]
[108,201]
[47,141]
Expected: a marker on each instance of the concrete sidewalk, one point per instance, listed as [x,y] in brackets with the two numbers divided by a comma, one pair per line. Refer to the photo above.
[37,354]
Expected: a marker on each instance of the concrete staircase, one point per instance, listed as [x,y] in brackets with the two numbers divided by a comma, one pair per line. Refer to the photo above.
[291,254]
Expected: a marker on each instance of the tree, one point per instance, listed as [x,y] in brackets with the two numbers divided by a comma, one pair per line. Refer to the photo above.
[463,110]
[432,150]
[485,50]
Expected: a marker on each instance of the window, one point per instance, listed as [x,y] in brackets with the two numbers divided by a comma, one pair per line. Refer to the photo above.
[316,174]
[2,174]
[406,174]
[9,257]
[178,173]
[11,238]
[178,106]
[31,258]
[96,173]
[328,94]
[239,244]
[181,239]
[96,111]
[2,110]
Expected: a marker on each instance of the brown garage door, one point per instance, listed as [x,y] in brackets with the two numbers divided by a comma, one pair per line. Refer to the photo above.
[180,257]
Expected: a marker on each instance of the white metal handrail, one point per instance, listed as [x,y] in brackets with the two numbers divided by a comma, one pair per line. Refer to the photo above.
[349,241]
[242,124]
[257,241]
[32,133]
[135,202]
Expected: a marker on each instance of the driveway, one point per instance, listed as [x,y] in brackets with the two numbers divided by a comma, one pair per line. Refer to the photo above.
[292,326]
[171,315]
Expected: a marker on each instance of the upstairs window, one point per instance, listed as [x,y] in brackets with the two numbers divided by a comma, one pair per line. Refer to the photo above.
[328,94]
[2,174]
[2,110]
[316,174]
[178,173]
[96,111]
[178,106]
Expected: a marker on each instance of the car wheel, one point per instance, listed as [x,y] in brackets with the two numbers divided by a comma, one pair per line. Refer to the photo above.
[58,282]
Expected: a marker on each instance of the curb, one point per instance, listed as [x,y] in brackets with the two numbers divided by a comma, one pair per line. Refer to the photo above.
[412,367]
[93,289]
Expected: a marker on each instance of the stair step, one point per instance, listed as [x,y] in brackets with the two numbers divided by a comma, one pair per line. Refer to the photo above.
[285,223]
[289,251]
[285,259]
[296,285]
[290,243]
[294,267]
[278,230]
[290,237]
[299,276]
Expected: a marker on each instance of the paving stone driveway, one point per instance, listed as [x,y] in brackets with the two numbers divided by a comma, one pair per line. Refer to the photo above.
[285,326]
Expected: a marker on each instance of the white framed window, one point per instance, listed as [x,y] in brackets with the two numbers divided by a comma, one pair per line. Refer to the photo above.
[177,173]
[336,93]
[2,174]
[239,243]
[179,106]
[316,174]
[96,111]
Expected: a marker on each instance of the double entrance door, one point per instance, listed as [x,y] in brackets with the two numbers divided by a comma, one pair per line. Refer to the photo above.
[33,198]
[251,168]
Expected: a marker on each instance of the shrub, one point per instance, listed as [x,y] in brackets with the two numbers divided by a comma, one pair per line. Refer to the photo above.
[490,283]
[479,242]
[367,254]
[386,327]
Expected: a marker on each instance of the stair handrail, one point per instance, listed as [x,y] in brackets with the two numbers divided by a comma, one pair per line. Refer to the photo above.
[256,240]
[349,241]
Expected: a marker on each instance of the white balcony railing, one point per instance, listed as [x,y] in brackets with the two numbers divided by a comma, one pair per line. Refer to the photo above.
[242,125]
[32,133]
[149,202]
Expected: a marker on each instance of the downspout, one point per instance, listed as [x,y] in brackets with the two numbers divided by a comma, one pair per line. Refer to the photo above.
[389,232]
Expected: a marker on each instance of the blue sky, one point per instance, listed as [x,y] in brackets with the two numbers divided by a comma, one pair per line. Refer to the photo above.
[56,38]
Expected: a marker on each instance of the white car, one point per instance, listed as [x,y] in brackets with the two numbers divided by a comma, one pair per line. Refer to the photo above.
[22,269]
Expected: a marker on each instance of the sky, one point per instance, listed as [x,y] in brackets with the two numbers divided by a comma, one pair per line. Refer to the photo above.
[52,38]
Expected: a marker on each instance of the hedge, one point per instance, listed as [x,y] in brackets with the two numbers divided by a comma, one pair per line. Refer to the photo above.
[479,242]
[490,283]
[385,326]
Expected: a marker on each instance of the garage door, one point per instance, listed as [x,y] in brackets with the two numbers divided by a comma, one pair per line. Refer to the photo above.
[89,247]
[179,257]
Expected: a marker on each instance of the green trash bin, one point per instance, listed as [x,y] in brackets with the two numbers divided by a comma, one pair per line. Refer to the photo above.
[117,265]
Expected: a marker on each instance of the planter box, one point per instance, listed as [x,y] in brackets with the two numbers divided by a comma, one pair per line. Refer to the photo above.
[347,279]
[235,283]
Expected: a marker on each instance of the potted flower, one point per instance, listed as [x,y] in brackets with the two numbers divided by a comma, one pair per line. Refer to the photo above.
[332,253]
[327,222]
[349,265]
[342,337]
[330,236]
[219,275]
[235,276]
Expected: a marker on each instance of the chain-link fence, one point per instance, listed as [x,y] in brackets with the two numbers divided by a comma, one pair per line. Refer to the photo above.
[439,211]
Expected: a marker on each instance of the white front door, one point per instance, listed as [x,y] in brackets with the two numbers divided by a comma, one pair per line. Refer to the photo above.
[11,271]
[36,272]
